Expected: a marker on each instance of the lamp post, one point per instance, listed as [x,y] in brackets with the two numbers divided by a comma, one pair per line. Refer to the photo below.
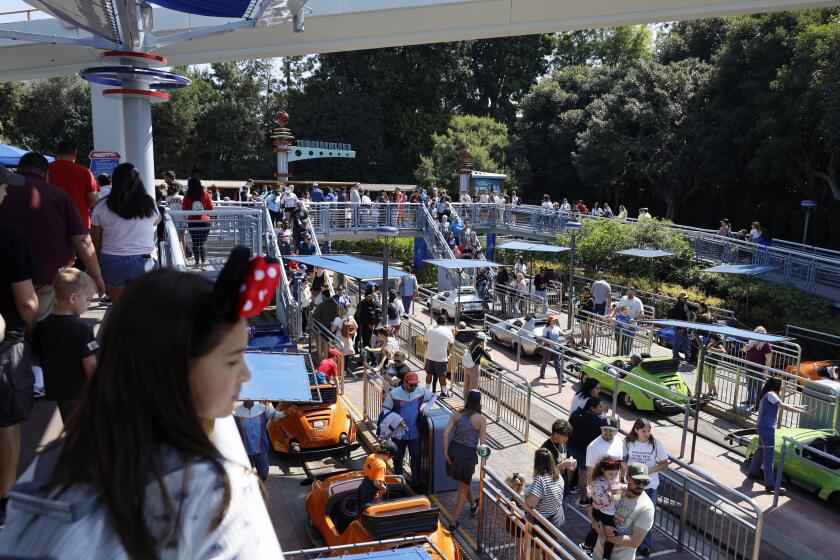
[386,233]
[572,228]
[807,205]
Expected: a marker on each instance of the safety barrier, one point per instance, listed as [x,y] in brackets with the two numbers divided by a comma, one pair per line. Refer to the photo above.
[509,303]
[210,241]
[330,219]
[362,548]
[507,531]
[656,305]
[607,337]
[824,341]
[288,310]
[506,394]
[321,341]
[374,389]
[525,220]
[172,251]
[707,517]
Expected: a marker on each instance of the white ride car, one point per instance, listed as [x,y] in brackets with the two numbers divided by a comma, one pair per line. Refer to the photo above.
[524,330]
[472,305]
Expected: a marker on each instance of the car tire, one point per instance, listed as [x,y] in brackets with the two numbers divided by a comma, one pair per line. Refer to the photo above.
[627,401]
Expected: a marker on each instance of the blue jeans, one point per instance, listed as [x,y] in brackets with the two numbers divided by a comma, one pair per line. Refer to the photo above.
[600,308]
[548,356]
[413,446]
[406,301]
[648,540]
[764,455]
[543,295]
[260,461]
[681,346]
[754,383]
[119,270]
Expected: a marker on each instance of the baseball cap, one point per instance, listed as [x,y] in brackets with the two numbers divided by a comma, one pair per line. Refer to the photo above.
[638,471]
[482,336]
[11,179]
[637,356]
[474,396]
[550,318]
[611,423]
[411,377]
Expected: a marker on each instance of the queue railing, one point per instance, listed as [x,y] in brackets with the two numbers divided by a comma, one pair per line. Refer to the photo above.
[211,241]
[374,389]
[334,218]
[605,336]
[825,341]
[508,530]
[506,393]
[705,516]
[172,250]
[509,303]
[288,310]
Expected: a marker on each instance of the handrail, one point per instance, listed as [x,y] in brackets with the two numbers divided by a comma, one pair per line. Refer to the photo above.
[327,273]
[812,335]
[418,540]
[174,251]
[438,243]
[801,446]
[285,301]
[324,339]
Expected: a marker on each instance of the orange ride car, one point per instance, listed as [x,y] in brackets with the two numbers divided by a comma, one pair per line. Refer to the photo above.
[315,429]
[333,512]
[826,369]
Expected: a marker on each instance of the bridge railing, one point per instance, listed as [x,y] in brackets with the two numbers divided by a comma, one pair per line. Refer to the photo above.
[330,218]
[172,250]
[288,310]
[610,338]
[215,238]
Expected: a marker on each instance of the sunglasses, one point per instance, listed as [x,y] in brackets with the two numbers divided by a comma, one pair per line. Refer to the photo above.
[641,483]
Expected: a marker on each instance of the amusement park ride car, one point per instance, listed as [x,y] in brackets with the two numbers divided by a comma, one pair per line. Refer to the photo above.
[472,304]
[334,513]
[507,333]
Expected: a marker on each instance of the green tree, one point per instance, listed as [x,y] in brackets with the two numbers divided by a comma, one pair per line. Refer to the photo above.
[605,46]
[55,109]
[486,139]
[11,101]
[648,132]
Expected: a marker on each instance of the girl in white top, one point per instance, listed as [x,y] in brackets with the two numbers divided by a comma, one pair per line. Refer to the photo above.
[641,447]
[139,472]
[520,267]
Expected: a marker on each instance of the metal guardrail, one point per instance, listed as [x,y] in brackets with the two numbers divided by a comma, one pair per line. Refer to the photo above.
[288,310]
[212,240]
[812,335]
[172,253]
[332,218]
[374,389]
[507,530]
[713,522]
[321,340]
[506,394]
[360,548]
[610,338]
[787,443]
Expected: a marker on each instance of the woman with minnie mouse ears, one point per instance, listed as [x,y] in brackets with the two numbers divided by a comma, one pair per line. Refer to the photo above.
[143,470]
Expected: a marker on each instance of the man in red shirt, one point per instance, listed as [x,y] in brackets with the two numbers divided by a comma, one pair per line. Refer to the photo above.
[76,180]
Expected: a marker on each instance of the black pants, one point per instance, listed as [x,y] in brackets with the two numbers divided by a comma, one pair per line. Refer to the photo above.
[198,234]
[592,536]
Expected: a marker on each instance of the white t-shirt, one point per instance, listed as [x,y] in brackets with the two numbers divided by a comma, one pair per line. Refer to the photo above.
[601,448]
[578,401]
[754,234]
[438,339]
[629,514]
[348,341]
[125,237]
[634,306]
[645,453]
[400,312]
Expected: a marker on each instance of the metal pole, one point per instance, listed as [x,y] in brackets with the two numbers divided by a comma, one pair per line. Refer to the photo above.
[805,231]
[480,504]
[686,416]
[571,282]
[385,298]
[697,392]
[458,298]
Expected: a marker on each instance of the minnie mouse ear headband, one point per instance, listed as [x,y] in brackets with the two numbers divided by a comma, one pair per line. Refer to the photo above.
[245,285]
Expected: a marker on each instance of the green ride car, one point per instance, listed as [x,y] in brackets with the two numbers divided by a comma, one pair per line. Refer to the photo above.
[657,381]
[800,471]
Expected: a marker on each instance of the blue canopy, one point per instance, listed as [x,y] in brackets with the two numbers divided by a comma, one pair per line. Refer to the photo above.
[277,377]
[216,8]
[350,266]
[743,269]
[461,263]
[531,246]
[398,554]
[719,329]
[10,155]
[645,253]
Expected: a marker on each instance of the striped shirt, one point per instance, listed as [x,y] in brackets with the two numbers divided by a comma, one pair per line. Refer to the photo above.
[550,493]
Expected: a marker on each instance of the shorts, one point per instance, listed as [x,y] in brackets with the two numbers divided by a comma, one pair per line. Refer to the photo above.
[435,369]
[16,381]
[119,270]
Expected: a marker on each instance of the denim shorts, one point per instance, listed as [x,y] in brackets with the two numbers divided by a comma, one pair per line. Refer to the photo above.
[119,270]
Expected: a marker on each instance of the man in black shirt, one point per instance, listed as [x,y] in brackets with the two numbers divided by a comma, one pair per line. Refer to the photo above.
[366,318]
[556,445]
[586,425]
[19,310]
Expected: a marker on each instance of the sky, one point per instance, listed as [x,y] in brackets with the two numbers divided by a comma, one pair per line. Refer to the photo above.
[16,5]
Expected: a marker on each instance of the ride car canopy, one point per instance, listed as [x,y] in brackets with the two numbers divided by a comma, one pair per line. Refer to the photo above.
[531,246]
[461,263]
[645,253]
[348,265]
[399,554]
[743,269]
[719,329]
[277,377]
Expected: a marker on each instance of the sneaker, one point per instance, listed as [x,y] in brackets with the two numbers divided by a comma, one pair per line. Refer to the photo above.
[574,491]
[644,551]
[772,490]
[586,549]
[38,392]
[474,509]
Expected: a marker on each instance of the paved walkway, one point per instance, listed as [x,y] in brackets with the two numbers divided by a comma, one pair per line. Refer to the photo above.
[795,526]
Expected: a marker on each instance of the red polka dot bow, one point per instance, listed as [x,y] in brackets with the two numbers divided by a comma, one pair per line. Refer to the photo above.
[258,286]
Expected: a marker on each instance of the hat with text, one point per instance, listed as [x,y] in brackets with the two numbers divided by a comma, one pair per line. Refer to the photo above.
[611,423]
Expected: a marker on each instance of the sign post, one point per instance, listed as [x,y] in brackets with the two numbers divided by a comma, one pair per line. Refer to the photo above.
[103,162]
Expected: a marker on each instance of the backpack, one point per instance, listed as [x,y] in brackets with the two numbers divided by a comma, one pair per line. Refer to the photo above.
[393,313]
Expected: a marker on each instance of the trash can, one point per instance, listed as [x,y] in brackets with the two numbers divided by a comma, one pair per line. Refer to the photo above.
[433,467]
[821,396]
